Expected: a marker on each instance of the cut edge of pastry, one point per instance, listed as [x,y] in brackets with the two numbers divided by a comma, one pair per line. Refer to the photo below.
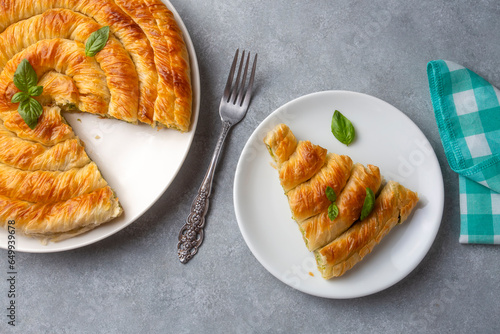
[85,223]
[46,238]
[280,143]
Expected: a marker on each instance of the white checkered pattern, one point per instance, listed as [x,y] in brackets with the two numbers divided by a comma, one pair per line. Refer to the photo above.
[478,145]
[465,102]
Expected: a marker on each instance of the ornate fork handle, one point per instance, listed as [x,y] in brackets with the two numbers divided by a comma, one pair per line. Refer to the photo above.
[233,107]
[191,234]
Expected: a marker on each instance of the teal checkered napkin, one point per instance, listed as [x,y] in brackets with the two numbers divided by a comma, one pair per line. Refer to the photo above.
[467,111]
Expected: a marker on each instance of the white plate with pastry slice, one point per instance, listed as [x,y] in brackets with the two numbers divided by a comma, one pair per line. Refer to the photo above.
[384,137]
[138,162]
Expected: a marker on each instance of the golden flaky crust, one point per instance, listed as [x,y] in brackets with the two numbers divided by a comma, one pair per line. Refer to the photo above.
[139,12]
[392,207]
[49,186]
[280,143]
[52,220]
[28,155]
[173,104]
[302,165]
[320,230]
[180,71]
[51,128]
[309,198]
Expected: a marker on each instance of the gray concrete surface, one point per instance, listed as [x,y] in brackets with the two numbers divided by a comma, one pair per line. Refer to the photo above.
[132,281]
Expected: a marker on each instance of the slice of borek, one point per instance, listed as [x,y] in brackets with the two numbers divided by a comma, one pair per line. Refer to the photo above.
[306,171]
[50,189]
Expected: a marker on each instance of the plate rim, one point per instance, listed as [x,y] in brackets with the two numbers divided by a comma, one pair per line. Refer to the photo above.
[196,93]
[256,254]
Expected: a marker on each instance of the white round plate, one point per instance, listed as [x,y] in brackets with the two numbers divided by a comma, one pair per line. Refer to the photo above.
[385,137]
[138,162]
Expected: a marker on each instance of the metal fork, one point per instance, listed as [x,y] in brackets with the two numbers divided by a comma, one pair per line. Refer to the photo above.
[233,107]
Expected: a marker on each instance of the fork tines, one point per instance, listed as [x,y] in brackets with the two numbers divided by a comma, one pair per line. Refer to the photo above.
[237,94]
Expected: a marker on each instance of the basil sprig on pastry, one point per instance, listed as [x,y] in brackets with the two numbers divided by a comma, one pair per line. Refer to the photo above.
[368,204]
[333,210]
[96,42]
[25,79]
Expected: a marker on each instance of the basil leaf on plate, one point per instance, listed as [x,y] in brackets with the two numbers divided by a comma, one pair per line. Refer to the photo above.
[333,211]
[19,97]
[25,76]
[342,128]
[368,204]
[96,41]
[30,110]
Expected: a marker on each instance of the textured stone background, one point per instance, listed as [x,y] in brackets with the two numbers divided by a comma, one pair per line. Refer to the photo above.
[132,282]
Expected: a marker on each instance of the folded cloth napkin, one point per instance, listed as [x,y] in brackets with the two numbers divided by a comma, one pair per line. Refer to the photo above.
[467,111]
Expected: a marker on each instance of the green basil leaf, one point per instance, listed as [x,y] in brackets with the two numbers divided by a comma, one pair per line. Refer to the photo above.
[330,194]
[19,97]
[96,41]
[25,76]
[333,211]
[368,204]
[30,110]
[342,128]
[35,90]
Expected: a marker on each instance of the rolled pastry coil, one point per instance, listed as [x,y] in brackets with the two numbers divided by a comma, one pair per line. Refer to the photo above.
[118,71]
[66,57]
[48,184]
[147,32]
